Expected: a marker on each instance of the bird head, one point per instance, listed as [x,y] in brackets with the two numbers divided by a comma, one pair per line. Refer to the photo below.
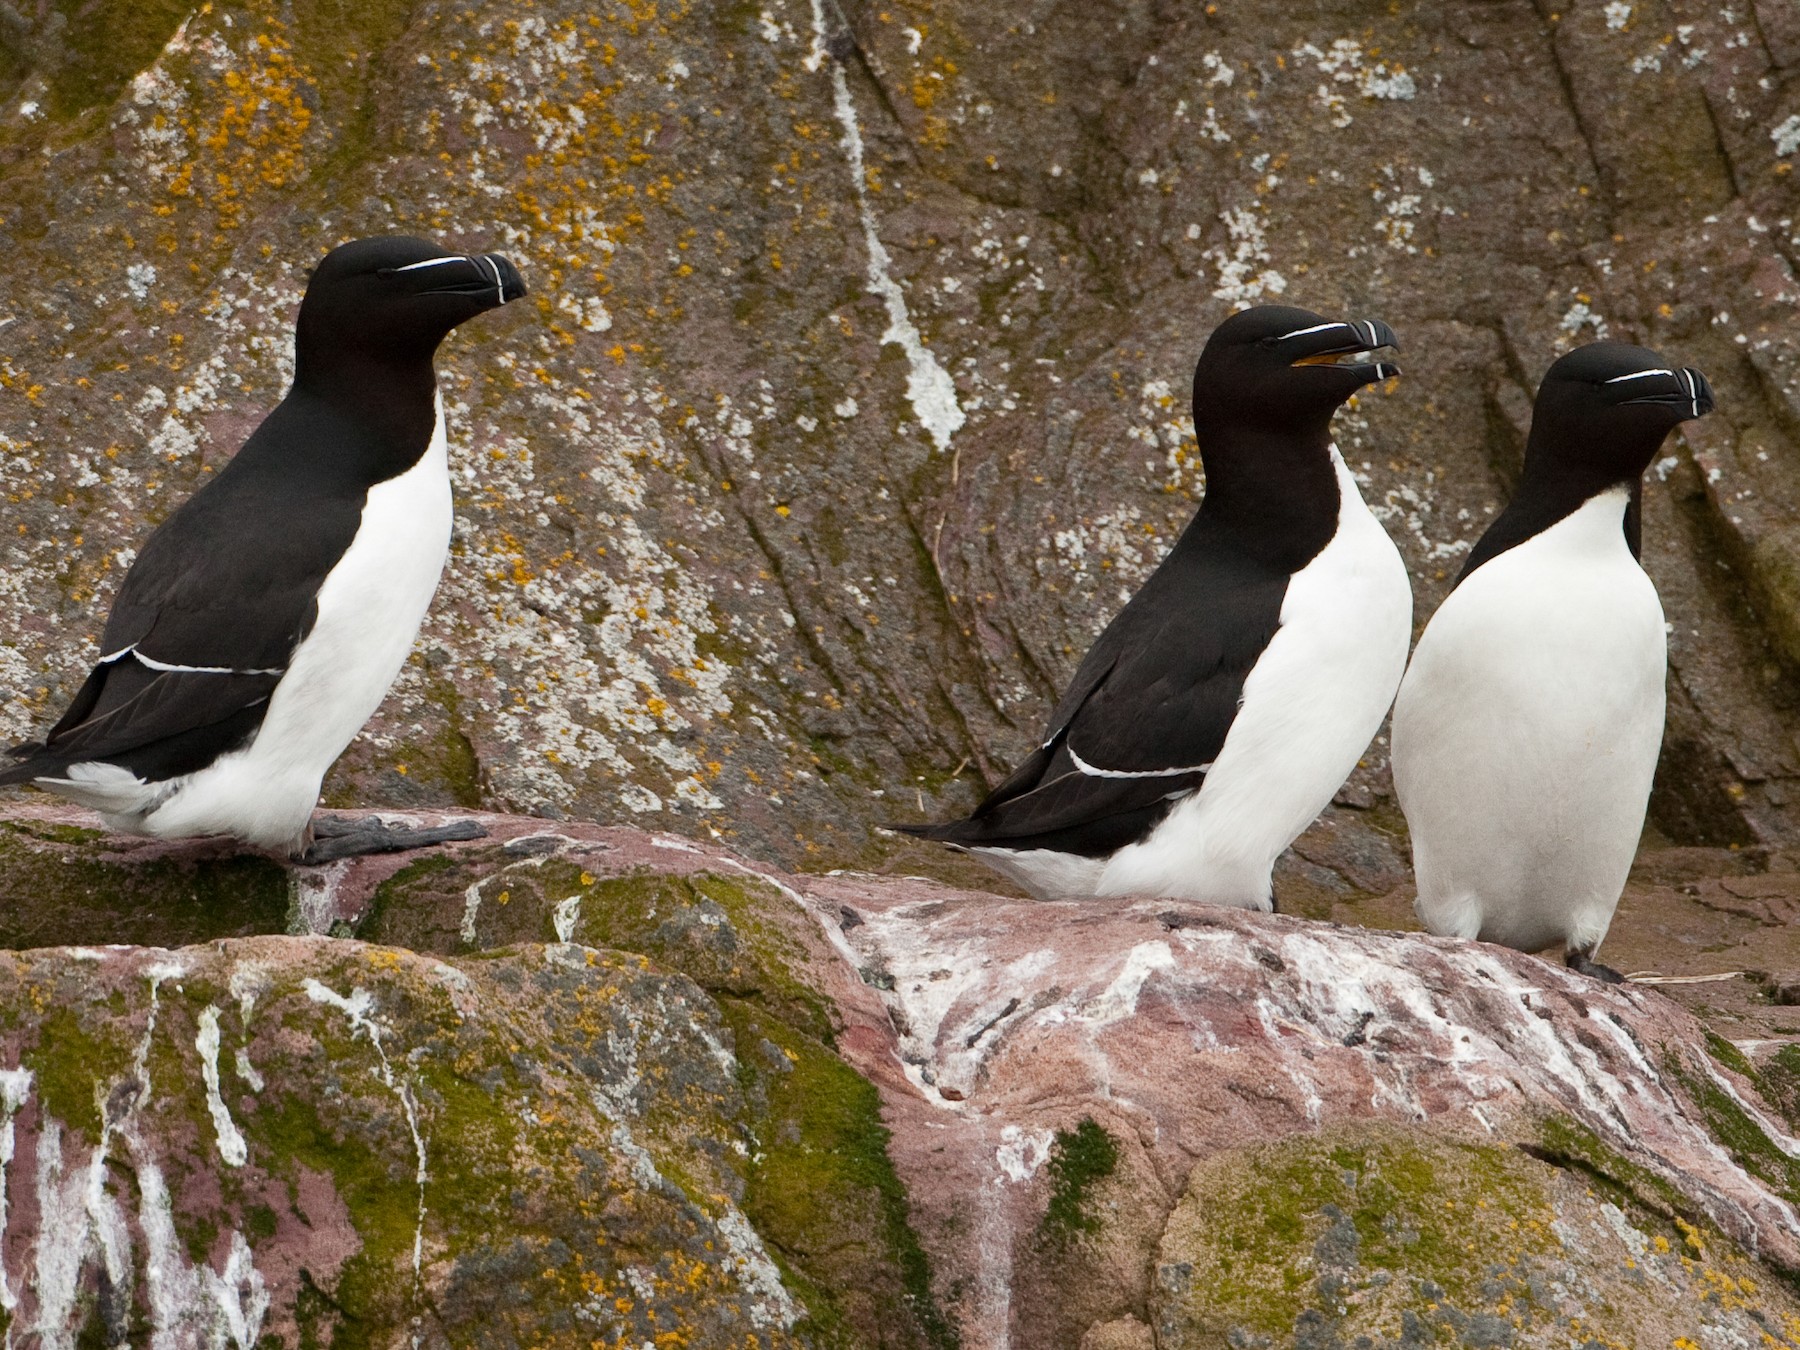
[1607,407]
[1279,368]
[394,297]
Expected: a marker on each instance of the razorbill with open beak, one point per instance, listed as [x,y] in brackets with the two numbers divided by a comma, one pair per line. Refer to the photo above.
[1224,705]
[264,620]
[1527,729]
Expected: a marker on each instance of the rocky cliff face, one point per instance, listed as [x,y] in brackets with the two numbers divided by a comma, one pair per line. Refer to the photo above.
[853,398]
[849,404]
[592,1086]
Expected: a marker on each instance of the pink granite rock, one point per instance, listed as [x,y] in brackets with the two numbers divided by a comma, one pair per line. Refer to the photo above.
[1109,1121]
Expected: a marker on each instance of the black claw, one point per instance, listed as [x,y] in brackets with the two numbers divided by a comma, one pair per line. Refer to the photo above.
[337,837]
[1582,963]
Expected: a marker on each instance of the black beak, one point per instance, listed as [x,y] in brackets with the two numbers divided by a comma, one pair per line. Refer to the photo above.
[489,274]
[1691,395]
[512,285]
[1348,337]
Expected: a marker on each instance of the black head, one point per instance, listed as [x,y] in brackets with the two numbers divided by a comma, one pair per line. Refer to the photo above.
[1605,409]
[393,298]
[1276,368]
[1601,415]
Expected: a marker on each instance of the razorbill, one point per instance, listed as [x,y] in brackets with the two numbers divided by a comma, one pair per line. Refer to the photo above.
[264,620]
[1526,731]
[1219,711]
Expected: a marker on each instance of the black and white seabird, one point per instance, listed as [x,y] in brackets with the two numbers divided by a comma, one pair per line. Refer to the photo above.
[1527,729]
[264,620]
[1219,711]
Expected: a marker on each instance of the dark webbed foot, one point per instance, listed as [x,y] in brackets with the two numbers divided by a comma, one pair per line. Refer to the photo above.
[335,837]
[1581,961]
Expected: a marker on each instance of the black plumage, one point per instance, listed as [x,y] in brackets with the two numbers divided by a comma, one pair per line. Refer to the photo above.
[1153,700]
[224,591]
[1577,392]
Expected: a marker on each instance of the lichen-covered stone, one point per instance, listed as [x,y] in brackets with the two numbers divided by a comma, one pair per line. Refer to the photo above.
[945,1117]
[1393,1238]
[306,1142]
[850,400]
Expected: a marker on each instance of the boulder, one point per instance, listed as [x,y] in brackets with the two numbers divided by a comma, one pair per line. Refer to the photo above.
[564,1078]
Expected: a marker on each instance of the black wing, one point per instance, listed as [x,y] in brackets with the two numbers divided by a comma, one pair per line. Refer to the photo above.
[1145,716]
[207,619]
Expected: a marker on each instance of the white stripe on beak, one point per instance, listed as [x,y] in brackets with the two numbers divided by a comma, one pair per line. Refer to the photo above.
[1318,328]
[499,284]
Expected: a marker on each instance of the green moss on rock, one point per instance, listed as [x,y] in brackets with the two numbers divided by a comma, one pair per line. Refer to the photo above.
[1781,1083]
[824,1194]
[1080,1159]
[1277,1241]
[102,46]
[732,935]
[1737,1129]
[61,891]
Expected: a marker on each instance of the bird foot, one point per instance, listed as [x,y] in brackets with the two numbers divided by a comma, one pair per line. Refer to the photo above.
[1581,961]
[334,837]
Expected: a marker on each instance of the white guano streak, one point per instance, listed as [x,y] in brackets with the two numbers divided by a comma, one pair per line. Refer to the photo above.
[15,1087]
[231,1142]
[355,1007]
[929,387]
[567,915]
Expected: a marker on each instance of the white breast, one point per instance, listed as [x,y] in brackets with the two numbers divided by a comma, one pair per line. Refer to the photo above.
[1526,735]
[370,609]
[1310,708]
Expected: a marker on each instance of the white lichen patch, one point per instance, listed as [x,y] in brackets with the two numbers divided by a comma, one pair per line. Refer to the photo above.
[770,1303]
[1400,208]
[565,917]
[1113,543]
[1410,508]
[1347,64]
[1021,1153]
[1244,277]
[82,1222]
[1581,315]
[1165,427]
[15,1089]
[1786,135]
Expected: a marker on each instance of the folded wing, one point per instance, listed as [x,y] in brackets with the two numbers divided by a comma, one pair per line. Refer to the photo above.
[1143,720]
[201,633]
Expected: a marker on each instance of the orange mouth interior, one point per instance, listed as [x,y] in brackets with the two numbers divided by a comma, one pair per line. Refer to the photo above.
[1355,358]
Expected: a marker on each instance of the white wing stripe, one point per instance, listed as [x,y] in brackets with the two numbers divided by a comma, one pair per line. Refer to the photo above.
[1092,772]
[154,664]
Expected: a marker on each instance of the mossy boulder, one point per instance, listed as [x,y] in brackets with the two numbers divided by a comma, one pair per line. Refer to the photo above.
[302,1142]
[1384,1237]
[64,884]
[940,1116]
